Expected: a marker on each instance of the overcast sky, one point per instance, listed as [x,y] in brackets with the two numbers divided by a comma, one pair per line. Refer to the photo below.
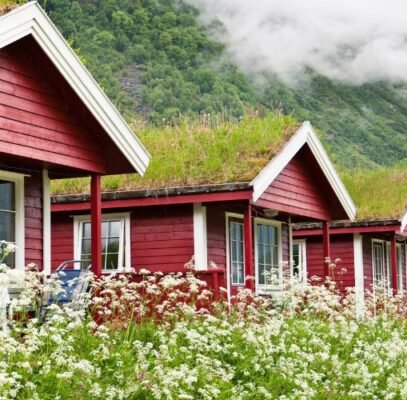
[355,41]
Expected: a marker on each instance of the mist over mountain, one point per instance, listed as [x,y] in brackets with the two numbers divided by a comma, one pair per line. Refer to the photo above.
[344,68]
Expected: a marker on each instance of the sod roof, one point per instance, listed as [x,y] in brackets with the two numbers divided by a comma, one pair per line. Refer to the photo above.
[7,6]
[195,154]
[380,193]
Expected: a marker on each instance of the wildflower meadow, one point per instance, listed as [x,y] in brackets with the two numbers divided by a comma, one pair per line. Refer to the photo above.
[166,337]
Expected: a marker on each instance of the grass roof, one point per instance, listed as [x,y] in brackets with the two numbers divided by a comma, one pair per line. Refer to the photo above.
[195,154]
[6,6]
[378,193]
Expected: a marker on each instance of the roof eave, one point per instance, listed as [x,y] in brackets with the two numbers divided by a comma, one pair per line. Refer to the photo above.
[30,19]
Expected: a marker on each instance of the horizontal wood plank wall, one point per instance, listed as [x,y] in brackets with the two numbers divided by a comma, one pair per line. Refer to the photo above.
[162,238]
[297,191]
[367,261]
[62,246]
[342,248]
[35,121]
[216,235]
[33,219]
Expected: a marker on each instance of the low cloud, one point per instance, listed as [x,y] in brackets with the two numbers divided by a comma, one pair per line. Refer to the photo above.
[352,41]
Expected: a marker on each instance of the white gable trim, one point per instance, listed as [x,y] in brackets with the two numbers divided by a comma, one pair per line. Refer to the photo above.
[31,19]
[304,135]
[403,222]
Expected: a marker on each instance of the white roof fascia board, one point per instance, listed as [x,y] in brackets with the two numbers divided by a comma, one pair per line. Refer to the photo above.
[305,134]
[403,222]
[31,19]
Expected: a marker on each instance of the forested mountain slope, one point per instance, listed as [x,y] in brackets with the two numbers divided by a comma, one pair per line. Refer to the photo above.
[154,57]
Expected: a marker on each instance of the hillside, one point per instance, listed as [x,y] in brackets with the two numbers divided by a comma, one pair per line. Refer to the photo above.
[156,59]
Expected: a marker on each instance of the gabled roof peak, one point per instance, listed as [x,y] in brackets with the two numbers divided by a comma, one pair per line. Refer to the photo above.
[30,19]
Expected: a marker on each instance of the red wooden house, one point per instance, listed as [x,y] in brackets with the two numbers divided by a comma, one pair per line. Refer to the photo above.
[242,226]
[372,248]
[55,122]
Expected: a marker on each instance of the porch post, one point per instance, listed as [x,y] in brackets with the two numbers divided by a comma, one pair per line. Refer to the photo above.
[96,224]
[393,261]
[248,246]
[326,246]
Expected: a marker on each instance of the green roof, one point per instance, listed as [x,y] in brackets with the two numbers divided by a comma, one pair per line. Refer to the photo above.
[379,193]
[195,154]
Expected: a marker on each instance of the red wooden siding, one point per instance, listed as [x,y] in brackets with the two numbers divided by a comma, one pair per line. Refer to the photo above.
[342,248]
[33,219]
[162,238]
[216,235]
[302,189]
[297,191]
[36,121]
[62,245]
[367,261]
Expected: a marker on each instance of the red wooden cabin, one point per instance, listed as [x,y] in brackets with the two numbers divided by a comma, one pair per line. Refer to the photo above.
[243,228]
[55,122]
[370,251]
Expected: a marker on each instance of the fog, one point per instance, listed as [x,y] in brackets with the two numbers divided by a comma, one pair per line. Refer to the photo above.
[352,41]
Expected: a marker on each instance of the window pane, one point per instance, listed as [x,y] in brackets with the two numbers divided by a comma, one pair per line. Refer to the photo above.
[112,245]
[7,196]
[267,267]
[105,229]
[114,228]
[7,226]
[236,252]
[86,246]
[86,230]
[112,261]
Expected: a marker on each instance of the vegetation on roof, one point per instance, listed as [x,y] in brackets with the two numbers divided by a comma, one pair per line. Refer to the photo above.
[201,152]
[378,193]
[6,6]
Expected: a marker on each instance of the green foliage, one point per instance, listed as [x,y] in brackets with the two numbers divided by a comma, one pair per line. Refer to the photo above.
[184,71]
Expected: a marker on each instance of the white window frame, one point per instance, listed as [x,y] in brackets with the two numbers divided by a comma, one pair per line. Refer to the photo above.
[399,260]
[264,288]
[18,180]
[124,264]
[302,243]
[228,260]
[385,245]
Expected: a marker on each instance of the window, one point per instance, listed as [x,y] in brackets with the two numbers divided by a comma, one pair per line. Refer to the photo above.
[378,262]
[399,269]
[299,261]
[236,246]
[115,241]
[267,254]
[388,269]
[12,215]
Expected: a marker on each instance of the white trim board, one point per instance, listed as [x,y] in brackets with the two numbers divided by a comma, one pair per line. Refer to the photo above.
[359,274]
[30,19]
[200,237]
[403,221]
[46,222]
[304,135]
